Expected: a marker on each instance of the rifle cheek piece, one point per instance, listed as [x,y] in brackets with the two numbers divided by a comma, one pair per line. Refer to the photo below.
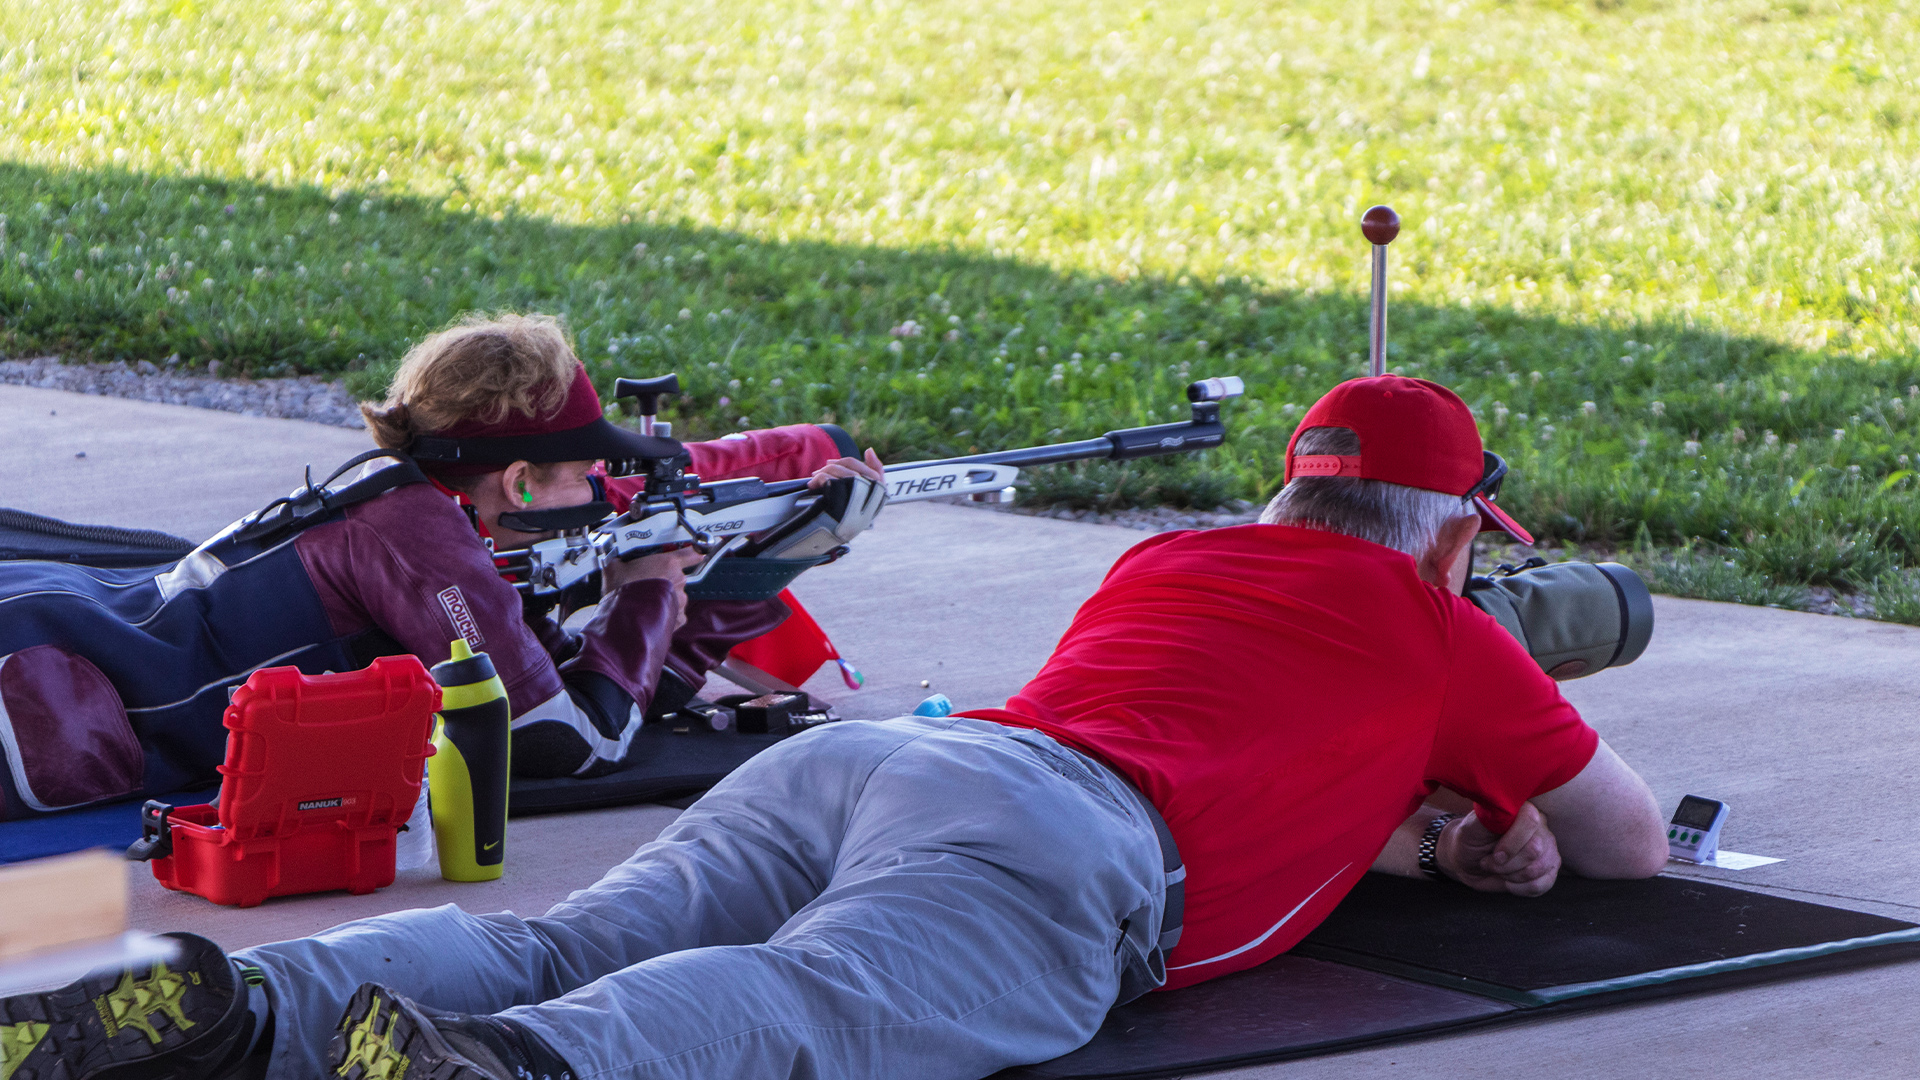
[1573,618]
[559,519]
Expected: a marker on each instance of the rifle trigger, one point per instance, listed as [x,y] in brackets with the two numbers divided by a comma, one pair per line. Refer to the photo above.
[713,560]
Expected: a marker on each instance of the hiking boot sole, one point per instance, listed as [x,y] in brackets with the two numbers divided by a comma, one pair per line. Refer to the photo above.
[383,1036]
[154,1023]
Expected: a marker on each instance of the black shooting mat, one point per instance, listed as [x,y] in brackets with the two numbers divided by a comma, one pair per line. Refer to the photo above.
[1584,937]
[671,758]
[1288,1007]
[1399,959]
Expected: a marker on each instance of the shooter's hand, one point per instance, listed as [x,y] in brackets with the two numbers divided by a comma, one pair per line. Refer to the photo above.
[846,466]
[668,566]
[852,493]
[1523,861]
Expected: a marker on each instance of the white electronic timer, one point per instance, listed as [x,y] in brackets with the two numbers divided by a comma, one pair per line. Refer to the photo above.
[1694,834]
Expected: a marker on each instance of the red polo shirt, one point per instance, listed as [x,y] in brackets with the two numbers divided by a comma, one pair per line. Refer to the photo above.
[1287,697]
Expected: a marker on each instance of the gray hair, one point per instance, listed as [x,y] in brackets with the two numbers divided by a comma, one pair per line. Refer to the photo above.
[1407,519]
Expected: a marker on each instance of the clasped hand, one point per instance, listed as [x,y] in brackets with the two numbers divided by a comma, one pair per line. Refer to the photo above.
[1523,861]
[669,566]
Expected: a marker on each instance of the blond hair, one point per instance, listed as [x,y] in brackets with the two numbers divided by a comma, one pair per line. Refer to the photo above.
[483,367]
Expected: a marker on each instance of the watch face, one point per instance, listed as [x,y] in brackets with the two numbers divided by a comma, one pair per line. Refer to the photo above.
[1696,812]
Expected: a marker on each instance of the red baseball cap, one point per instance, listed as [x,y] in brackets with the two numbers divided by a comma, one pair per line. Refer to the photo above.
[574,430]
[1412,432]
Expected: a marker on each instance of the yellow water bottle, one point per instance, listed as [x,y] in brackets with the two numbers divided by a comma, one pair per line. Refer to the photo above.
[467,774]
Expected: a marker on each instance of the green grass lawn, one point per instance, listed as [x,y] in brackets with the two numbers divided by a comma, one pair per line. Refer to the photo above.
[1667,250]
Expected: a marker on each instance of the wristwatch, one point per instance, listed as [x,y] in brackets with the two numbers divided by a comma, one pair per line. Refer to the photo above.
[1430,848]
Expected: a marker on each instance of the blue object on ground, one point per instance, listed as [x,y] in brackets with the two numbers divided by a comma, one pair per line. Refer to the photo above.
[115,825]
[937,705]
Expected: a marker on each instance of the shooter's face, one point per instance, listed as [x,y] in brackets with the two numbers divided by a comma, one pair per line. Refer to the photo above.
[523,486]
[562,484]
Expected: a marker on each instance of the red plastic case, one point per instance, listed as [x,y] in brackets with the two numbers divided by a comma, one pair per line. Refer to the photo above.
[321,772]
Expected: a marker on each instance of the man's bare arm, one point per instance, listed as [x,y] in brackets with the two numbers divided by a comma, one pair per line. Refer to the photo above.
[1606,820]
[1401,856]
[1604,823]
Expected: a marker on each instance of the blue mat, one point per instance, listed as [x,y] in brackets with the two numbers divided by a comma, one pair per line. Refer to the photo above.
[677,761]
[113,826]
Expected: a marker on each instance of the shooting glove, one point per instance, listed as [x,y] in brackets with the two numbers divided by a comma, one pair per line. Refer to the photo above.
[845,509]
[818,534]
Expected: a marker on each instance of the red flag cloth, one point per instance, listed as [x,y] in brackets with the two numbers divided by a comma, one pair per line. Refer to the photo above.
[794,650]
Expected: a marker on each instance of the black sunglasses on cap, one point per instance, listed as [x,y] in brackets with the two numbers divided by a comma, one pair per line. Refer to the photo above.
[1495,472]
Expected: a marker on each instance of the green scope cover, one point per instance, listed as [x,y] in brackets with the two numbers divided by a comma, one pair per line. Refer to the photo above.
[1573,618]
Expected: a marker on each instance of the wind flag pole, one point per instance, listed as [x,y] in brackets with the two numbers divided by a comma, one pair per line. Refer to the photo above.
[1380,225]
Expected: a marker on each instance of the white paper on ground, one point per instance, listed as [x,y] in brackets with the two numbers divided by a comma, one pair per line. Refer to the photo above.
[1735,860]
[1732,860]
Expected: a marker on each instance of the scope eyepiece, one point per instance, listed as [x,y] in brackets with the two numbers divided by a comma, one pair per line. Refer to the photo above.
[1218,388]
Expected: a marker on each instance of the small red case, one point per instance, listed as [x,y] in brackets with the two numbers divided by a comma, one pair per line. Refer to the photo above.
[321,772]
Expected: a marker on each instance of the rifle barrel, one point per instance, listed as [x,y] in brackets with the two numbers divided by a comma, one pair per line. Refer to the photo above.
[1199,433]
[748,505]
[1030,455]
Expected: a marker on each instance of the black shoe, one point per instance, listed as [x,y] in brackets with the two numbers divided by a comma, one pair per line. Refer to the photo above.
[384,1036]
[185,1020]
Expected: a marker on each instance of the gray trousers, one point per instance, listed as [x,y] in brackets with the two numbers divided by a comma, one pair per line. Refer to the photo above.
[900,898]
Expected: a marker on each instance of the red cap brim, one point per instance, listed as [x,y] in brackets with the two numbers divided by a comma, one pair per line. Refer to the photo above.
[1496,520]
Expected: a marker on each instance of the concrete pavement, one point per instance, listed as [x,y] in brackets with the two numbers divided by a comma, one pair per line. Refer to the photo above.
[1801,722]
[110,461]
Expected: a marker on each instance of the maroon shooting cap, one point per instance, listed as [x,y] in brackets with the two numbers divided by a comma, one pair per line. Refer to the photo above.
[575,430]
[1412,432]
